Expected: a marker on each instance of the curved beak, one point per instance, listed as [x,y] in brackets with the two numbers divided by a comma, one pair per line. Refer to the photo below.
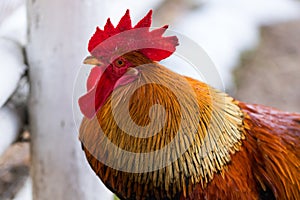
[91,60]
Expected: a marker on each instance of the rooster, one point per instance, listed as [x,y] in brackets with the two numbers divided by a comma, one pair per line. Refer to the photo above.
[150,133]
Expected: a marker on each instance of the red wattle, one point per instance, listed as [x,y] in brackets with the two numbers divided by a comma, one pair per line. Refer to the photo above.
[97,94]
[94,77]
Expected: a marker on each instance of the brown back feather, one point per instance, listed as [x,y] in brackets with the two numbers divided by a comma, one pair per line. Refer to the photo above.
[273,139]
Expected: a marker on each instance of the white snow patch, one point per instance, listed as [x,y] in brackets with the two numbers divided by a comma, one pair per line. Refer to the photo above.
[26,191]
[14,26]
[12,67]
[10,127]
[7,6]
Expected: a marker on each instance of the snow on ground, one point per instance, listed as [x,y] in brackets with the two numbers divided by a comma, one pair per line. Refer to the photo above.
[227,28]
[12,67]
[26,192]
[7,6]
[10,127]
[12,39]
[14,26]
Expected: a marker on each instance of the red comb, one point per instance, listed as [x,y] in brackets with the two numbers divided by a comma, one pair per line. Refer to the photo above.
[151,43]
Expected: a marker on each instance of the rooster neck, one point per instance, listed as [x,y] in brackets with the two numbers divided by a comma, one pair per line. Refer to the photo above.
[208,122]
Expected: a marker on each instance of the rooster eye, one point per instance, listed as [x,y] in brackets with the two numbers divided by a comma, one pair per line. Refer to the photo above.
[119,63]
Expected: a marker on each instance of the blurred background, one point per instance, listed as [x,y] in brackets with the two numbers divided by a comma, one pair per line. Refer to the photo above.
[254,45]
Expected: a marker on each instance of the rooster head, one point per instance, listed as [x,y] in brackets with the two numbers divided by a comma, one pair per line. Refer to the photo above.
[117,52]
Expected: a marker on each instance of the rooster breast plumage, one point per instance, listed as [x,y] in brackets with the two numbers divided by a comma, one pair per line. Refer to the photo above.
[150,133]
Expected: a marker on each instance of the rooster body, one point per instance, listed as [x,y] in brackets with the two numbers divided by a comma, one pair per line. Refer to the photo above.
[223,149]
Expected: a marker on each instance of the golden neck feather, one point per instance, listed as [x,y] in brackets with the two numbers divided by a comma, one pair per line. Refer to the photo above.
[195,126]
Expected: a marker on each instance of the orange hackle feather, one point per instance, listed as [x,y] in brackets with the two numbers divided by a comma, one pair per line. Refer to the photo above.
[238,151]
